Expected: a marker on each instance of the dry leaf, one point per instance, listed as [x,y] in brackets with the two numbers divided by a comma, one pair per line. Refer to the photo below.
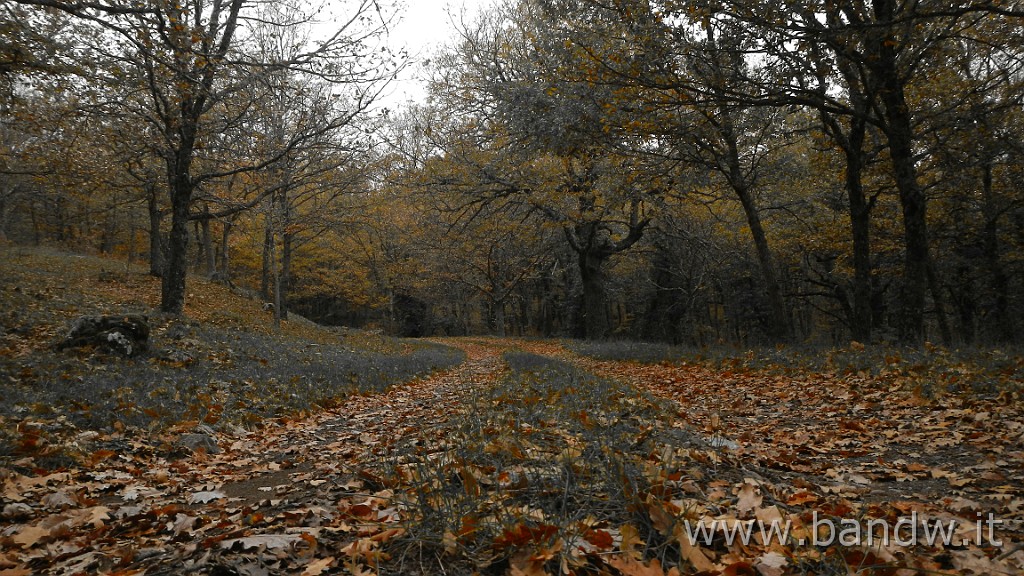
[749,498]
[206,497]
[771,564]
[270,541]
[630,567]
[30,536]
[694,555]
[317,567]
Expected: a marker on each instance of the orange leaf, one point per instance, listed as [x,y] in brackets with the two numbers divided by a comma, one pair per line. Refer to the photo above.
[801,498]
[523,534]
[694,555]
[630,540]
[470,524]
[100,455]
[601,539]
[631,567]
[739,569]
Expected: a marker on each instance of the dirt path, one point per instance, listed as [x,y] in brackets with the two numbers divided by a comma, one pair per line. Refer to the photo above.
[317,494]
[278,500]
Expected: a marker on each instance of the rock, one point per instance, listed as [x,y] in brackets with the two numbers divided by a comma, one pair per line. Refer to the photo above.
[126,335]
[194,442]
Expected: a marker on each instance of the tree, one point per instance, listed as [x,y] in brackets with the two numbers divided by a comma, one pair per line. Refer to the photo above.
[554,143]
[890,45]
[188,61]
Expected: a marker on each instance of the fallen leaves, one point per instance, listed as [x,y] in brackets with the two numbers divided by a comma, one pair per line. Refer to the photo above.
[291,497]
[258,541]
[749,450]
[206,496]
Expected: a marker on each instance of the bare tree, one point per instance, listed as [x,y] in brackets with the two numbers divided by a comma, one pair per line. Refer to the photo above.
[189,67]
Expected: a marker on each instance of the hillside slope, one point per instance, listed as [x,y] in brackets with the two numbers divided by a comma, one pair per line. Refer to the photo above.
[222,364]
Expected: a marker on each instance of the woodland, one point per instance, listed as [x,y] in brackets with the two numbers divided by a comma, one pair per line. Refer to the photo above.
[632,268]
[694,173]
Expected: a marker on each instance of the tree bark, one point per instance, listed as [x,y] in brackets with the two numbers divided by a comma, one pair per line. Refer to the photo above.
[225,253]
[780,329]
[265,277]
[172,298]
[593,307]
[156,243]
[210,255]
[276,274]
[860,229]
[999,282]
[286,272]
[498,310]
[888,84]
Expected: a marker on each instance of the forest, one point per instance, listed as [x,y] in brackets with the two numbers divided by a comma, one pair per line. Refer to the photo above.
[638,288]
[690,172]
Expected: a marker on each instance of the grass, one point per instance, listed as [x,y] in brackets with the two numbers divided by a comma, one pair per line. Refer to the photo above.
[221,364]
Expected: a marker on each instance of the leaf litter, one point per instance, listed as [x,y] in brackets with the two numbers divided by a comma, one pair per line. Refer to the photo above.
[541,461]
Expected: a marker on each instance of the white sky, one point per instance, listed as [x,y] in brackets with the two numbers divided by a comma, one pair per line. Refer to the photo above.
[425,26]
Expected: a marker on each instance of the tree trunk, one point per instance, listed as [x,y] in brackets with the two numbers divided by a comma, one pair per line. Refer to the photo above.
[935,287]
[108,236]
[498,308]
[156,244]
[286,273]
[276,274]
[265,277]
[999,281]
[779,330]
[860,228]
[208,251]
[861,313]
[172,298]
[593,307]
[225,255]
[888,84]
[964,304]
[37,237]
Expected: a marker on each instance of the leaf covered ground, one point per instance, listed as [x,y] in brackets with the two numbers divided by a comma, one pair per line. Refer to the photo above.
[528,457]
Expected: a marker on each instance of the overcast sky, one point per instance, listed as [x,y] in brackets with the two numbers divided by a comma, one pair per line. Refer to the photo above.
[425,26]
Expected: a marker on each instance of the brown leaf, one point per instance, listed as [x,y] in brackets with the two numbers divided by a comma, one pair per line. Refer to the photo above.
[694,555]
[317,567]
[30,536]
[270,541]
[749,498]
[525,564]
[601,539]
[522,534]
[630,567]
[630,541]
[771,564]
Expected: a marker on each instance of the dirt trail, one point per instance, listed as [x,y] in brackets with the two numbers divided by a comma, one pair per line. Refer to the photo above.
[317,494]
[265,503]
